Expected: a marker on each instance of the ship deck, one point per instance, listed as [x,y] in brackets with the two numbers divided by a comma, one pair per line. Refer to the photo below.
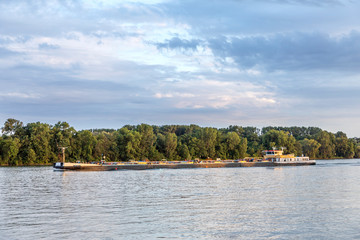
[172,165]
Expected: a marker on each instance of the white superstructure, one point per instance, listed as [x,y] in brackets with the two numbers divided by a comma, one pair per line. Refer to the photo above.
[278,156]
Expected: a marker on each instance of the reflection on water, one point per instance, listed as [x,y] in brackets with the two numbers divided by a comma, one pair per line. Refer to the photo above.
[308,202]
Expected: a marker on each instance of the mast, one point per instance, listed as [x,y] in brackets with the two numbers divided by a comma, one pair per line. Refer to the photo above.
[63,153]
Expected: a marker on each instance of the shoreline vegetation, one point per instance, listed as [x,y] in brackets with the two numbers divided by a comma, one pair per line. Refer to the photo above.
[38,144]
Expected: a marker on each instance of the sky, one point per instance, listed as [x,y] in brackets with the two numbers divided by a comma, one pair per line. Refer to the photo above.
[106,64]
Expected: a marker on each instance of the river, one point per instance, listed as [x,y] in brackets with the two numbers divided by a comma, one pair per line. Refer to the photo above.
[303,202]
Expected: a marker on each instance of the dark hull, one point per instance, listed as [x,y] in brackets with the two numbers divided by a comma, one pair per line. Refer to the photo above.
[96,167]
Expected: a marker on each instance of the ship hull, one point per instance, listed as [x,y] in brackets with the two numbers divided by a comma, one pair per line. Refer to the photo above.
[98,167]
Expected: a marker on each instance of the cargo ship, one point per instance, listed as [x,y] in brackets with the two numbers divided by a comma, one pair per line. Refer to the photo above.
[272,158]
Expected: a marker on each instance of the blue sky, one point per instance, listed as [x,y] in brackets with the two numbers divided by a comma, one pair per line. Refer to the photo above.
[105,64]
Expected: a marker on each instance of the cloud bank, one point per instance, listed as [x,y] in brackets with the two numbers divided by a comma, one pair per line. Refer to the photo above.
[214,63]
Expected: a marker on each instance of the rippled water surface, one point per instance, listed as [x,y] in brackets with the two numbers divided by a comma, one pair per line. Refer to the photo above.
[306,202]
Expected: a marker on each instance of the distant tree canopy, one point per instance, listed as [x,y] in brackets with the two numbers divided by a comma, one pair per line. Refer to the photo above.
[39,143]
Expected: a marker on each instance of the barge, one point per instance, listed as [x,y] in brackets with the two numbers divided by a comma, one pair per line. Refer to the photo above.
[272,158]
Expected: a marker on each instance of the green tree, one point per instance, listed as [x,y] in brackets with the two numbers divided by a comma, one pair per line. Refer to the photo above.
[208,137]
[128,142]
[11,126]
[233,145]
[184,152]
[160,142]
[105,146]
[310,147]
[327,148]
[351,148]
[9,151]
[192,143]
[38,139]
[254,147]
[341,144]
[278,139]
[1,154]
[357,151]
[243,148]
[344,147]
[147,140]
[170,145]
[85,143]
[31,157]
[61,136]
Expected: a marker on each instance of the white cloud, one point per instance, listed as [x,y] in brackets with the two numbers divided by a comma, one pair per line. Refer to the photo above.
[216,94]
[16,95]
[215,62]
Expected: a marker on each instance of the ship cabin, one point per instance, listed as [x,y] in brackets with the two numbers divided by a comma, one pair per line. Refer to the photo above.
[278,156]
[273,153]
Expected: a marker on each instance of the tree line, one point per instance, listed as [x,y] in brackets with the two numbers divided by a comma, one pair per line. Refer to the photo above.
[39,143]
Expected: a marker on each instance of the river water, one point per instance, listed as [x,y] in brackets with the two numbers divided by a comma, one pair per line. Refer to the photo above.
[304,202]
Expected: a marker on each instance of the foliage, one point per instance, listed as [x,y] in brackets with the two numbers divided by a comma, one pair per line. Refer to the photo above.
[310,147]
[39,143]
